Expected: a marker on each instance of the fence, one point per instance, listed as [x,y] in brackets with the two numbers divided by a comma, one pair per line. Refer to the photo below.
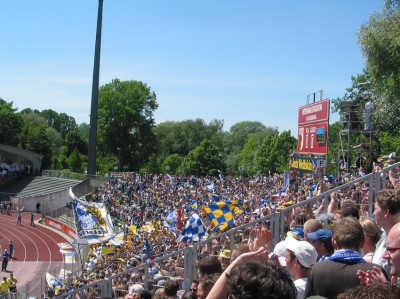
[186,258]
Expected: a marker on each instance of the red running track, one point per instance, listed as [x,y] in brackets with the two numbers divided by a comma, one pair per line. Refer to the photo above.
[36,249]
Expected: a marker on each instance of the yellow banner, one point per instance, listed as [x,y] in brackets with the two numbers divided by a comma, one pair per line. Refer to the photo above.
[302,164]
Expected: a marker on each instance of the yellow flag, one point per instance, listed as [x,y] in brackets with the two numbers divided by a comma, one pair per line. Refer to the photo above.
[133,229]
[107,250]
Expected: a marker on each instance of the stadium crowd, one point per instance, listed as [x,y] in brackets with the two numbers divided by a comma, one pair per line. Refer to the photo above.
[140,205]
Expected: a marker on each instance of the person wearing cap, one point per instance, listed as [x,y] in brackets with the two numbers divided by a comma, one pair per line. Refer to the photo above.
[278,256]
[4,262]
[300,257]
[297,233]
[322,242]
[338,273]
[310,226]
[224,258]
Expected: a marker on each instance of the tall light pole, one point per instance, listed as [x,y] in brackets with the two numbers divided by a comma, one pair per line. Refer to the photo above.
[91,170]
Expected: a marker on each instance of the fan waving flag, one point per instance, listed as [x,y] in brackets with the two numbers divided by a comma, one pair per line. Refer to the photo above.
[194,229]
[222,213]
[171,222]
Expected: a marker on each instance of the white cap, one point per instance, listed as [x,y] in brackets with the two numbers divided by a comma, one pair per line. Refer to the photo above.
[280,252]
[304,251]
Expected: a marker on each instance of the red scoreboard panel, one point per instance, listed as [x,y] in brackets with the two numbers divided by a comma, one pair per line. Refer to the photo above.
[313,127]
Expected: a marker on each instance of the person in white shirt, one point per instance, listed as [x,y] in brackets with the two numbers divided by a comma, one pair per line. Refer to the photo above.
[300,257]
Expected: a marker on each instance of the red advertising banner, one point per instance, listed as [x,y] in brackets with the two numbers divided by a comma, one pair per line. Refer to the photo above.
[313,138]
[61,227]
[315,112]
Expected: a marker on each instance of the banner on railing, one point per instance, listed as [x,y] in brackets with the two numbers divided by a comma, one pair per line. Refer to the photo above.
[92,220]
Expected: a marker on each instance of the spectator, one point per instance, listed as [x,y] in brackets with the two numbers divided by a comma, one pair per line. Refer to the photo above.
[205,285]
[278,256]
[322,242]
[311,226]
[171,287]
[338,273]
[392,255]
[374,291]
[189,295]
[300,257]
[238,249]
[249,277]
[4,286]
[387,214]
[209,265]
[372,233]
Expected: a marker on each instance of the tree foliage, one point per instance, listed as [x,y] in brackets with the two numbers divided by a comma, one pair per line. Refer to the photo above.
[182,137]
[381,46]
[10,123]
[202,161]
[126,121]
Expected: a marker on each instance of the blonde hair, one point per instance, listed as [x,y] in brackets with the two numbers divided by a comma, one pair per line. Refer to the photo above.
[371,229]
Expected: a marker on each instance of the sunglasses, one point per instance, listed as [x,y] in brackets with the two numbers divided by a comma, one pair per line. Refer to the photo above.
[193,290]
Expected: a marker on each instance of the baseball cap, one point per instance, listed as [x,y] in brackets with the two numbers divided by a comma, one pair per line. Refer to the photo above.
[321,234]
[280,253]
[297,233]
[304,251]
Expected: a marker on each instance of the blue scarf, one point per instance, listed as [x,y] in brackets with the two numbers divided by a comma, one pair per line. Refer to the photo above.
[346,256]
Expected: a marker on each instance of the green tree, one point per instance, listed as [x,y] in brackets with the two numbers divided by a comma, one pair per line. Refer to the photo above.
[381,47]
[389,143]
[202,161]
[254,141]
[126,122]
[267,156]
[182,137]
[75,161]
[236,140]
[73,140]
[174,161]
[10,123]
[285,145]
[62,122]
[34,137]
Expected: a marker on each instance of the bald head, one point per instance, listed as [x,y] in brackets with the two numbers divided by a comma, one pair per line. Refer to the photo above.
[392,252]
[395,232]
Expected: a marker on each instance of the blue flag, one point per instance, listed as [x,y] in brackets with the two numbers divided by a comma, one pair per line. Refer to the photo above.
[194,229]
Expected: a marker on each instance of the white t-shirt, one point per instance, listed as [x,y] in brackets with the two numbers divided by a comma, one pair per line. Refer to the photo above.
[377,257]
[301,287]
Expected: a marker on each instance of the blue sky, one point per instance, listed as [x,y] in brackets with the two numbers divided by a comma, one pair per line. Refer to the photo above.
[230,60]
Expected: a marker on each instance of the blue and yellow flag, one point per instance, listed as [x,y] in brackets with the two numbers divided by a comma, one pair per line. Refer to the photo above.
[222,213]
[216,196]
[194,205]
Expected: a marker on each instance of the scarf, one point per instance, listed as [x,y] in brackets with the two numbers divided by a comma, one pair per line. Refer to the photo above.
[346,256]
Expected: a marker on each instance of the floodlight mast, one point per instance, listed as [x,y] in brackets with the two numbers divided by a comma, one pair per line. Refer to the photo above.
[91,169]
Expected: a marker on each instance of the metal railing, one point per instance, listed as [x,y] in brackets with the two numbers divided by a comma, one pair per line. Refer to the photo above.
[276,222]
[71,175]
